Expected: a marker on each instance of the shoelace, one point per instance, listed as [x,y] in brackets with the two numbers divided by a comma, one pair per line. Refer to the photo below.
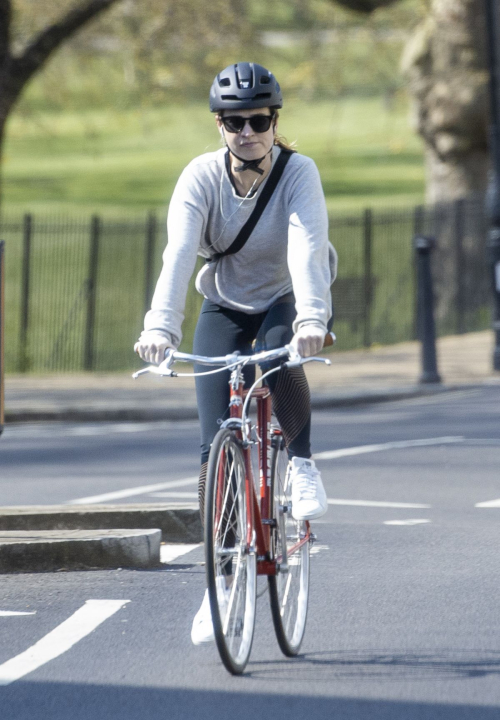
[306,483]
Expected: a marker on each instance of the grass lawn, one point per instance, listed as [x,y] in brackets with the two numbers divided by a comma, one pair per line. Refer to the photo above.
[118,163]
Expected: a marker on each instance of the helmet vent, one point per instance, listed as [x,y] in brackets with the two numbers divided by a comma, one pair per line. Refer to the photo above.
[225,82]
[265,80]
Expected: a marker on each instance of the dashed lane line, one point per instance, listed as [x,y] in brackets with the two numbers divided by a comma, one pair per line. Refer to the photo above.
[413,521]
[376,503]
[169,553]
[187,495]
[60,640]
[488,504]
[130,492]
[13,613]
[380,447]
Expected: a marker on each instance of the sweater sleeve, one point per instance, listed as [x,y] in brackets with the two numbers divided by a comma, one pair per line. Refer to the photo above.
[186,222]
[309,249]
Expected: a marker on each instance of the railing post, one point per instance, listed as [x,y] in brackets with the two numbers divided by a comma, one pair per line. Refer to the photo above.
[459,216]
[426,326]
[23,359]
[149,258]
[2,336]
[493,194]
[95,231]
[418,229]
[368,282]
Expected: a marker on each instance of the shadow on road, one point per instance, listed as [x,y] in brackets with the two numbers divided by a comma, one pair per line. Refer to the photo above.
[58,701]
[437,664]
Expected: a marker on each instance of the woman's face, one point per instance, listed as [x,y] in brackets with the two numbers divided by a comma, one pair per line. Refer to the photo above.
[248,144]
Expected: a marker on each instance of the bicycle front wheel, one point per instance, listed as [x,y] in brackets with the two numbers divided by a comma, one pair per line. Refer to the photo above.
[230,565]
[289,588]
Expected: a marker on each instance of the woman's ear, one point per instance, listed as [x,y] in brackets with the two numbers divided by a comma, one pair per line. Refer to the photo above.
[220,126]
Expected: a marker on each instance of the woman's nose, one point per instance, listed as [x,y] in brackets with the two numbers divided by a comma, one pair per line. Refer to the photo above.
[247,130]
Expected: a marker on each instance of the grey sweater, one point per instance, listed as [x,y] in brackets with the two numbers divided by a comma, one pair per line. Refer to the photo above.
[288,249]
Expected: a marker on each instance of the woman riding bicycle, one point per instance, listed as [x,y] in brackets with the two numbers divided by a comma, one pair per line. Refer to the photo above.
[273,291]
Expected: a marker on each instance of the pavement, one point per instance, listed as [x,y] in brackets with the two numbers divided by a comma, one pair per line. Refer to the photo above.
[358,376]
[377,374]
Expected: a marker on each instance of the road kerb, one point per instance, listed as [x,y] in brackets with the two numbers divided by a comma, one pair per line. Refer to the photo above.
[50,550]
[177,524]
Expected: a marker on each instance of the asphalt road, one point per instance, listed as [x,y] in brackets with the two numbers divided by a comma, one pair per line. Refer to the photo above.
[404,614]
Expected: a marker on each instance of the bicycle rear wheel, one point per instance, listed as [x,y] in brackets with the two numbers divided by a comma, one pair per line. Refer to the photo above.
[231,568]
[289,588]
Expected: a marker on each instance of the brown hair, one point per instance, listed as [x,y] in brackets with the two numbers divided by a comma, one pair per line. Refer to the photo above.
[281,141]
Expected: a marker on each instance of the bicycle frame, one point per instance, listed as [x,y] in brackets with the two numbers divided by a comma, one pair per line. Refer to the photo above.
[259,520]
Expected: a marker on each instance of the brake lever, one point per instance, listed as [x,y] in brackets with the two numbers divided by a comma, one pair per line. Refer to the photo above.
[163,369]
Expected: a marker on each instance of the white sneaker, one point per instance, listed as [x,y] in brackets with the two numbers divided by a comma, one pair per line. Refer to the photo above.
[308,494]
[202,630]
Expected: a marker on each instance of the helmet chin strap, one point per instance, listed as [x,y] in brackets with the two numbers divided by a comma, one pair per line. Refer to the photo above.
[250,164]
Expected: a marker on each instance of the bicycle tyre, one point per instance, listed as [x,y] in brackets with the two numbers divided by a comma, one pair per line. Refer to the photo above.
[289,589]
[226,552]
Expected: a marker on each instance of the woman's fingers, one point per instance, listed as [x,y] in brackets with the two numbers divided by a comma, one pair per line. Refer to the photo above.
[308,340]
[152,350]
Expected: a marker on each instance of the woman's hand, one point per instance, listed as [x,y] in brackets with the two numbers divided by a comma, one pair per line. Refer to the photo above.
[308,340]
[151,347]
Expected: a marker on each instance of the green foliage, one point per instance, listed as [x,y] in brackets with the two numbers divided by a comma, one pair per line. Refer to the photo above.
[121,161]
[154,52]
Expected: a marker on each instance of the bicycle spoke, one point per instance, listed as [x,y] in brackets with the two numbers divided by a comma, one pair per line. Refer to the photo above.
[233,613]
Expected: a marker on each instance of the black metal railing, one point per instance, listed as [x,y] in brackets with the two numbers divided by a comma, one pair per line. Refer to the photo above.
[76,290]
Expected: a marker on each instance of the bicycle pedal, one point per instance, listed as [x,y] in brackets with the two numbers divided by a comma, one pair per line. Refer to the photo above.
[271,522]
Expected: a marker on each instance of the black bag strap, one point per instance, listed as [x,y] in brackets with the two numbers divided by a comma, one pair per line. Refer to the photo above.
[259,208]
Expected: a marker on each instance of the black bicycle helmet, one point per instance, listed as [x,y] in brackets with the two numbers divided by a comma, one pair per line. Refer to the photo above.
[245,86]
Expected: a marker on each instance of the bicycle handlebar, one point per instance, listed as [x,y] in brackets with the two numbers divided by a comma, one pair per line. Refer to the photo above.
[228,362]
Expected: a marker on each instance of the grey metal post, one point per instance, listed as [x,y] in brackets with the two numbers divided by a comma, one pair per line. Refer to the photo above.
[88,353]
[2,322]
[418,229]
[368,283]
[426,325]
[151,229]
[23,360]
[493,245]
[460,299]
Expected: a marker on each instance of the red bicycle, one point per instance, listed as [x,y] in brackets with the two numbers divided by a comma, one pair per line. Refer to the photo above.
[249,528]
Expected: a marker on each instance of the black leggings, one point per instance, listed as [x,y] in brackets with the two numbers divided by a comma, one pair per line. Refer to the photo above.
[221,331]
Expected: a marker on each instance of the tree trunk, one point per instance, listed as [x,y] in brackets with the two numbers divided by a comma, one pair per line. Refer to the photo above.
[446,64]
[5,108]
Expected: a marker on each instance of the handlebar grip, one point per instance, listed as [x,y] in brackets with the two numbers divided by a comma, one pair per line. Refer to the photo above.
[330,339]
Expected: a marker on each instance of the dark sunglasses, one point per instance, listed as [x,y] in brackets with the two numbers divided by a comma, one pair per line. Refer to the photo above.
[258,123]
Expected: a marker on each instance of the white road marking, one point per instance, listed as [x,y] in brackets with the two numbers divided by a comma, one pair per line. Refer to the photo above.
[488,504]
[89,429]
[315,549]
[11,613]
[175,494]
[168,553]
[376,503]
[414,521]
[130,492]
[60,640]
[362,449]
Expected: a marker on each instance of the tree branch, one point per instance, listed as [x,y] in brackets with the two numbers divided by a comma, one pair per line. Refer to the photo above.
[365,6]
[5,18]
[38,52]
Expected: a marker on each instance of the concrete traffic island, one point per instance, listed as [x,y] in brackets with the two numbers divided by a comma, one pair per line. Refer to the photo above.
[64,537]
[49,550]
[177,524]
